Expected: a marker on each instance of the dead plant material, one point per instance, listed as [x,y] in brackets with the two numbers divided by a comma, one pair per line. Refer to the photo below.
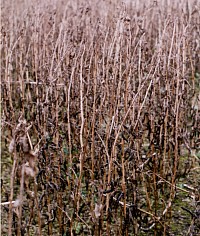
[100,117]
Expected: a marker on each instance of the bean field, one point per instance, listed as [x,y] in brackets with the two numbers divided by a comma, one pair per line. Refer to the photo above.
[100,117]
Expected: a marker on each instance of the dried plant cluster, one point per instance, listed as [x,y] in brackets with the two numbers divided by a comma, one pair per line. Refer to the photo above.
[100,117]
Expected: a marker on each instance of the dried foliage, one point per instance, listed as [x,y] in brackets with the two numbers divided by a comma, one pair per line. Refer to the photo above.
[100,117]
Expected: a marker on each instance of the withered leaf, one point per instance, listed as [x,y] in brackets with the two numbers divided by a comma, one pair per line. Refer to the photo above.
[97,210]
[31,158]
[28,170]
[12,146]
[24,143]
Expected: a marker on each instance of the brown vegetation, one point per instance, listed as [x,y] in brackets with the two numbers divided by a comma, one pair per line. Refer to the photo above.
[100,117]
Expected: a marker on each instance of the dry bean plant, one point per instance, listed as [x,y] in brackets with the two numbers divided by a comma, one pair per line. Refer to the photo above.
[100,122]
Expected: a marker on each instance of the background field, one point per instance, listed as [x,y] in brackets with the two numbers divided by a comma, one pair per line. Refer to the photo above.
[100,122]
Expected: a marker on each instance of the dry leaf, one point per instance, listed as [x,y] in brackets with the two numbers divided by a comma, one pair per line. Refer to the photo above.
[31,193]
[24,143]
[31,158]
[17,202]
[16,210]
[12,146]
[97,210]
[28,170]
